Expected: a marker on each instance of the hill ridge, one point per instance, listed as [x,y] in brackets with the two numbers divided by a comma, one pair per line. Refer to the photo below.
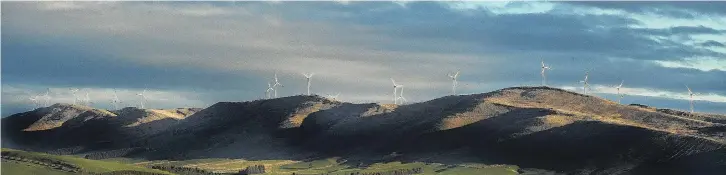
[504,122]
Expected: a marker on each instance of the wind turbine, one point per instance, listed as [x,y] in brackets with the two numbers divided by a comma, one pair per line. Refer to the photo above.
[400,95]
[620,96]
[47,97]
[453,78]
[269,88]
[690,94]
[544,76]
[308,76]
[87,100]
[115,100]
[395,91]
[34,99]
[143,98]
[585,84]
[73,91]
[276,84]
[334,97]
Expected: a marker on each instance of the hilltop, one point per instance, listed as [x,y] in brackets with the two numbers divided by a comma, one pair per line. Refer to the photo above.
[532,127]
[76,127]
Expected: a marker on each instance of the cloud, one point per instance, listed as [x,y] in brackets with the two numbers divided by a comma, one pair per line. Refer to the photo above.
[686,10]
[703,64]
[18,96]
[228,51]
[680,95]
[711,43]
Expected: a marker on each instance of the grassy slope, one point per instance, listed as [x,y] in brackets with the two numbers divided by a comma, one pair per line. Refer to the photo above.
[92,166]
[331,166]
[13,167]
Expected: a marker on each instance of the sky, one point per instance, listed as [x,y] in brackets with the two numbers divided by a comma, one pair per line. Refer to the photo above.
[194,54]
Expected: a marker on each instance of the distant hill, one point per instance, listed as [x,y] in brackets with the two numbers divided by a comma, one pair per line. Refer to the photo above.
[532,127]
[77,128]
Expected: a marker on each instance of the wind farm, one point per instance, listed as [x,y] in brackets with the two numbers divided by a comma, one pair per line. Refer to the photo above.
[335,121]
[363,88]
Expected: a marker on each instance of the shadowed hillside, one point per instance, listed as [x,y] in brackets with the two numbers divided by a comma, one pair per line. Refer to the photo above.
[532,127]
[66,128]
[223,128]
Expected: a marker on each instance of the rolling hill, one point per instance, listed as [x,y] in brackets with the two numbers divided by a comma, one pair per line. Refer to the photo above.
[535,128]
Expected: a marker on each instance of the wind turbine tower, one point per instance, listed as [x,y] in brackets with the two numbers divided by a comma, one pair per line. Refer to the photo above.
[47,97]
[544,76]
[690,94]
[277,83]
[87,100]
[585,84]
[115,100]
[75,98]
[308,76]
[620,96]
[143,98]
[269,89]
[455,83]
[400,95]
[395,91]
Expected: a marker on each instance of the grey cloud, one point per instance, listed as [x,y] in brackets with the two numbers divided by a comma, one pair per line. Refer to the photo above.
[679,30]
[593,34]
[681,9]
[711,43]
[353,48]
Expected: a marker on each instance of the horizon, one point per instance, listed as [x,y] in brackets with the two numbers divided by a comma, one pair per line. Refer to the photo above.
[195,54]
[362,102]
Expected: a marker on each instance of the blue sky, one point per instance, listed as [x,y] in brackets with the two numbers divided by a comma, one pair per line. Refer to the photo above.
[198,53]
